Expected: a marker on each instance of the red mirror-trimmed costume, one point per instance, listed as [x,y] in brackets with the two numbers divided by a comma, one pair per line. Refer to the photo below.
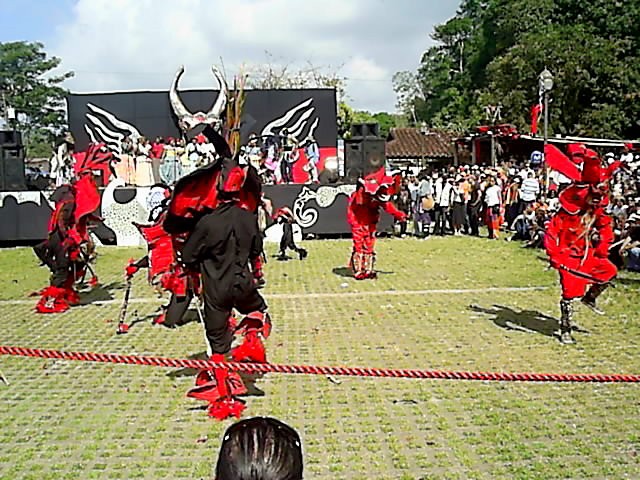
[213,223]
[68,249]
[579,235]
[373,192]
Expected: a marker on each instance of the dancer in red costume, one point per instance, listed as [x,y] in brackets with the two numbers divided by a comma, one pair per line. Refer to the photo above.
[578,237]
[165,272]
[372,193]
[212,217]
[68,249]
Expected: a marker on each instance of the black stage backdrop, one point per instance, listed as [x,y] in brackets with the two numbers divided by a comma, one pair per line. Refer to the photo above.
[319,209]
[105,115]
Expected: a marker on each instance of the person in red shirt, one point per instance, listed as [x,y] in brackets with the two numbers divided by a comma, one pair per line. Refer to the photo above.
[578,238]
[363,212]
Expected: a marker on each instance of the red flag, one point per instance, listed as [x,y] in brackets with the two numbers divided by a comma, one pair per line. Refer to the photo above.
[536,110]
[557,160]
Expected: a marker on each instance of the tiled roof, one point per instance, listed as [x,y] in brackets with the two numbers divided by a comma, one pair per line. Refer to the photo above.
[412,143]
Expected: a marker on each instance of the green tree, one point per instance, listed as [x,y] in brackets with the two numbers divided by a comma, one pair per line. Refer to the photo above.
[28,86]
[492,51]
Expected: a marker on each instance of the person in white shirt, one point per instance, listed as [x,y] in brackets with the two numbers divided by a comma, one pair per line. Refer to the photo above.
[529,191]
[443,201]
[493,200]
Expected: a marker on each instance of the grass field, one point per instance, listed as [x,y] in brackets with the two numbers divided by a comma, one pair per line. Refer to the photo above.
[72,420]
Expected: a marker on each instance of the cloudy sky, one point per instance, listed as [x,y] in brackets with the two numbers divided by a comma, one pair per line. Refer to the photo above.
[139,44]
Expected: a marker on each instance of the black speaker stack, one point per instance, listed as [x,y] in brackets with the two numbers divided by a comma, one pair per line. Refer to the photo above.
[12,176]
[364,152]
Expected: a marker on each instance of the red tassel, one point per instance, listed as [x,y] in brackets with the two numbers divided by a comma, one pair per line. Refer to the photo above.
[250,350]
[122,328]
[224,408]
[94,281]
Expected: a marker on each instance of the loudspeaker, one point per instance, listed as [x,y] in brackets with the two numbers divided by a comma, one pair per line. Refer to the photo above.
[12,176]
[10,138]
[364,156]
[362,130]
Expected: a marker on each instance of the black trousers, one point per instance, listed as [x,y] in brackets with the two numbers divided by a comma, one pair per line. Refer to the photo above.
[440,220]
[474,221]
[219,302]
[287,171]
[176,309]
[52,253]
[287,239]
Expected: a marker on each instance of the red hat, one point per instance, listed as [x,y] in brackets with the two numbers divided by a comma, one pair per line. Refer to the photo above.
[574,198]
[576,151]
[374,181]
[629,146]
[592,168]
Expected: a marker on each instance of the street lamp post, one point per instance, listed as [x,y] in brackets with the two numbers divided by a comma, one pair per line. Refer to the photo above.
[545,84]
[424,130]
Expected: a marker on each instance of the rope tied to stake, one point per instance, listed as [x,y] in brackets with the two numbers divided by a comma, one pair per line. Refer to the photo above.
[318,370]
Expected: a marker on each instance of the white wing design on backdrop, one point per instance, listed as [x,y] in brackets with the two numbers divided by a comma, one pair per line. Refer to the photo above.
[296,120]
[104,127]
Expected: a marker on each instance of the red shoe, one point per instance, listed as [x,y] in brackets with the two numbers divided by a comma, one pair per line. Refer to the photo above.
[52,300]
[250,350]
[159,320]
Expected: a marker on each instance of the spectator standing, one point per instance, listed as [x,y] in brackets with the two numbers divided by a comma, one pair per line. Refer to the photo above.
[144,165]
[423,206]
[458,206]
[312,152]
[157,149]
[474,206]
[171,168]
[492,200]
[529,191]
[443,199]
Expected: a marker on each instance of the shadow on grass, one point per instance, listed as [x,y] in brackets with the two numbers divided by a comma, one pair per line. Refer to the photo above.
[343,272]
[188,372]
[528,321]
[100,293]
[347,273]
[628,279]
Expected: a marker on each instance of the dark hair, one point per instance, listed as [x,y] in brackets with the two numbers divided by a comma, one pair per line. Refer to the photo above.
[260,448]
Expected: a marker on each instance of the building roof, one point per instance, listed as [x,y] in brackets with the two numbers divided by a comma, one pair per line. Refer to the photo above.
[412,143]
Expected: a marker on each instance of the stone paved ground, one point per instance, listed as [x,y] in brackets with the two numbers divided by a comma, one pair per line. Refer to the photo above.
[71,420]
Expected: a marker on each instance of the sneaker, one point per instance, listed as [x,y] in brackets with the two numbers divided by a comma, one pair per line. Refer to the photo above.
[592,305]
[566,338]
[302,253]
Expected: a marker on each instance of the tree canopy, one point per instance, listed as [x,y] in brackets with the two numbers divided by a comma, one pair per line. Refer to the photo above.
[492,52]
[28,86]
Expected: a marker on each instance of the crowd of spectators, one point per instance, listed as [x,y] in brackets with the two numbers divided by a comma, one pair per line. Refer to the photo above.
[141,162]
[511,201]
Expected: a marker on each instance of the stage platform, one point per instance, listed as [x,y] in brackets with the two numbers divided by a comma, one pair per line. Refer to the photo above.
[319,209]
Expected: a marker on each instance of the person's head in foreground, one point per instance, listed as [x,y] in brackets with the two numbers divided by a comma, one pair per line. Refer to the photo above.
[260,448]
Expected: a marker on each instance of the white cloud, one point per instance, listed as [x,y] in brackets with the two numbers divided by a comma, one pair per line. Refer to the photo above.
[139,44]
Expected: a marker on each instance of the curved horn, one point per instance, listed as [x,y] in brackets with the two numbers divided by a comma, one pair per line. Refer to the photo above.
[221,101]
[176,103]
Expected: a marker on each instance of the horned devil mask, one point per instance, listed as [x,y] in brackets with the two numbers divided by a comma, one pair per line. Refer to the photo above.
[188,121]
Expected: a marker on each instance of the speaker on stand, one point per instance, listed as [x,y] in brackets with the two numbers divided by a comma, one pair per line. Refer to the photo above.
[12,176]
[364,152]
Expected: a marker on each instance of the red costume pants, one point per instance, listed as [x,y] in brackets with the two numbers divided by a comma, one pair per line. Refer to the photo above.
[574,286]
[364,238]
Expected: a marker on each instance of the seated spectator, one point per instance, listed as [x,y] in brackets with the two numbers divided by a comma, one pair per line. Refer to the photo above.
[260,448]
